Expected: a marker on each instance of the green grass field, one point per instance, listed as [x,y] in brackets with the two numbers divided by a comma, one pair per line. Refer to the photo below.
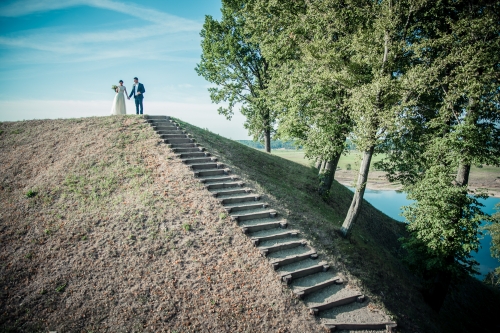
[484,173]
[297,156]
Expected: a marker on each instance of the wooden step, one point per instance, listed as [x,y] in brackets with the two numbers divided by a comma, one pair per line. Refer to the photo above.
[387,325]
[198,160]
[183,145]
[174,136]
[155,117]
[255,215]
[162,123]
[218,179]
[179,147]
[231,192]
[154,122]
[296,258]
[193,155]
[170,131]
[257,240]
[264,226]
[169,127]
[174,141]
[210,172]
[192,149]
[280,247]
[217,186]
[287,278]
[205,166]
[242,208]
[301,292]
[245,198]
[314,310]
[160,120]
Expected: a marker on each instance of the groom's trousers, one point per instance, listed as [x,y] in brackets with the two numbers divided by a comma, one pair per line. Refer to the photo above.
[138,106]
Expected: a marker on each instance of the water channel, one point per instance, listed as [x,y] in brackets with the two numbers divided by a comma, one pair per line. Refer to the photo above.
[390,203]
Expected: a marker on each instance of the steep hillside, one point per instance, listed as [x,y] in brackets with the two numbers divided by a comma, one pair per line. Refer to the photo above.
[371,257]
[103,230]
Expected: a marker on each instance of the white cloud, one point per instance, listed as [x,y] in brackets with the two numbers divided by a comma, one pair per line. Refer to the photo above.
[153,43]
[26,7]
[166,34]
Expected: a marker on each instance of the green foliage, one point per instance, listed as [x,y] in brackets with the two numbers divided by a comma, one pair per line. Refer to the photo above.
[348,166]
[186,227]
[443,222]
[238,69]
[494,231]
[31,193]
[451,124]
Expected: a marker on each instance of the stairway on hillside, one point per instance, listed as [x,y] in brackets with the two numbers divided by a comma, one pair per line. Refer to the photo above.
[337,306]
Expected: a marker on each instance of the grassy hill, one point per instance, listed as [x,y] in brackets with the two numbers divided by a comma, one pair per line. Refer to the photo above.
[102,229]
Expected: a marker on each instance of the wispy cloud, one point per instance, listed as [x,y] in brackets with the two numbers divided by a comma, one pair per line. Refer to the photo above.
[78,42]
[165,29]
[27,7]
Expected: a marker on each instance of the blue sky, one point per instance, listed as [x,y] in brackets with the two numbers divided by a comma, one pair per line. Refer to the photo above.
[59,58]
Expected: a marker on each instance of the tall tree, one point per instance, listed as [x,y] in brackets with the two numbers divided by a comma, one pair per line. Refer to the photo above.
[309,104]
[354,50]
[236,66]
[311,112]
[455,114]
[374,60]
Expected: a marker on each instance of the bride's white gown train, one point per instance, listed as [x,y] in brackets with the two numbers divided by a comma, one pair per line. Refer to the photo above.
[119,102]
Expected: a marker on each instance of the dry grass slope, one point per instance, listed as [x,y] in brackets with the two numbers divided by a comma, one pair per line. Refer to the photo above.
[102,230]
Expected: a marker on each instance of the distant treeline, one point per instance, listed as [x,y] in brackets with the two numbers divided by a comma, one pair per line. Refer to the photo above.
[275,144]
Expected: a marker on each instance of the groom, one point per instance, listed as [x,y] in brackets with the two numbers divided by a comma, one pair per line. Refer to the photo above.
[138,92]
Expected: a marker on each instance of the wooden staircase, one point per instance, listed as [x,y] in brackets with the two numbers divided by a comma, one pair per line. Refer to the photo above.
[293,258]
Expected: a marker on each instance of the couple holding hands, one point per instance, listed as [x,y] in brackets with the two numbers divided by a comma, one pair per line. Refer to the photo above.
[119,101]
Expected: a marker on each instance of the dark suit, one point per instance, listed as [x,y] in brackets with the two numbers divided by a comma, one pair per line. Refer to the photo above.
[138,98]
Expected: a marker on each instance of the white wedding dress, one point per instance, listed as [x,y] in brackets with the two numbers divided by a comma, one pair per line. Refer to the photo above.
[119,102]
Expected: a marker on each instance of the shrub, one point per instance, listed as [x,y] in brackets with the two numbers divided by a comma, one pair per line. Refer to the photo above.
[30,194]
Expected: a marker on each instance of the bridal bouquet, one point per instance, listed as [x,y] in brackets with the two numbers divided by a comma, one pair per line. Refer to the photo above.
[114,87]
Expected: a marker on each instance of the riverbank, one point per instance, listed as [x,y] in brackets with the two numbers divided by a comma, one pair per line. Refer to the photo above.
[484,177]
[378,181]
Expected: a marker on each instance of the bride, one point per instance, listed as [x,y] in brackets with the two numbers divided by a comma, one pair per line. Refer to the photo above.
[119,101]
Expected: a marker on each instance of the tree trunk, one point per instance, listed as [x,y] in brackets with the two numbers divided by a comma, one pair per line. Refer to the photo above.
[328,174]
[267,140]
[462,178]
[357,199]
[319,162]
[322,167]
[436,294]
